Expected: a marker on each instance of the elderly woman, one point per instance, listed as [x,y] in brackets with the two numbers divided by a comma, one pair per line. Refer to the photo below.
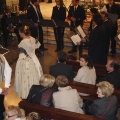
[33,116]
[106,106]
[14,113]
[86,74]
[42,94]
[67,98]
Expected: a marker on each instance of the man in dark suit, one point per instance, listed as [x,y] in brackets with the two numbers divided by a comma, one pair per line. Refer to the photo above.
[108,28]
[114,9]
[77,15]
[113,75]
[97,48]
[59,13]
[62,69]
[34,14]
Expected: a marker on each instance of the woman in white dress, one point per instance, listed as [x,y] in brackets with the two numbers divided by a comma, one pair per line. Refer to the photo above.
[86,74]
[28,69]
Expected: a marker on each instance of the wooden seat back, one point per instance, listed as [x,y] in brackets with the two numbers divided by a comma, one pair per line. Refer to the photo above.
[91,90]
[54,113]
[100,69]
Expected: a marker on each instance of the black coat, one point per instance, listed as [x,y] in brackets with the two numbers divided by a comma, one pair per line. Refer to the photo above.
[31,14]
[62,69]
[97,50]
[99,107]
[113,78]
[79,14]
[58,14]
[40,95]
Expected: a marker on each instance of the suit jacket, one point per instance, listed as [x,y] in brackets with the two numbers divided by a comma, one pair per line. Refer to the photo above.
[97,48]
[115,9]
[31,14]
[113,78]
[43,95]
[58,14]
[108,29]
[79,14]
[62,69]
[99,107]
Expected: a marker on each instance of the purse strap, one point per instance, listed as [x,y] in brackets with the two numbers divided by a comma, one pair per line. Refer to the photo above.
[38,93]
[109,105]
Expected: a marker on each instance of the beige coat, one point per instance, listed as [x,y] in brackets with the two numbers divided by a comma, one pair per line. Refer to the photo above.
[86,75]
[68,99]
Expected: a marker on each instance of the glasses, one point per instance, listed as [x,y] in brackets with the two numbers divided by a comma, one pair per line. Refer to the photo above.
[9,116]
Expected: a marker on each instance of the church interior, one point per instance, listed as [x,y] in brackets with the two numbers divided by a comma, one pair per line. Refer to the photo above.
[49,57]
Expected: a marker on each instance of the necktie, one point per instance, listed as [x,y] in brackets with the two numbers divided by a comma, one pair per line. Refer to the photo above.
[75,8]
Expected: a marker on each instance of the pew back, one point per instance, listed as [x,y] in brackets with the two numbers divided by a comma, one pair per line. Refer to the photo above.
[90,89]
[54,113]
[100,69]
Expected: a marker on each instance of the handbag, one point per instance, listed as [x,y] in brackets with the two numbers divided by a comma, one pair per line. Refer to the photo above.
[109,105]
[33,96]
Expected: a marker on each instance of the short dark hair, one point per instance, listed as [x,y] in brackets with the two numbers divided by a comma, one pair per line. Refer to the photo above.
[114,64]
[97,19]
[62,57]
[61,81]
[104,13]
[94,10]
[33,1]
[88,60]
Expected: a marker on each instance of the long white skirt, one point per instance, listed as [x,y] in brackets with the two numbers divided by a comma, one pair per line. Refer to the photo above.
[26,74]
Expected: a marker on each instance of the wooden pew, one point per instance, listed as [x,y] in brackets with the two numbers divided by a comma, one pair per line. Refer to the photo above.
[91,90]
[54,113]
[100,69]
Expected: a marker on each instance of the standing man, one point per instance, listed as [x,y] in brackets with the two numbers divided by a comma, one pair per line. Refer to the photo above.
[114,9]
[34,14]
[59,13]
[77,15]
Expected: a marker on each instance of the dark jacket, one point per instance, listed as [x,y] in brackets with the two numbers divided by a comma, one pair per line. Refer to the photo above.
[99,107]
[79,14]
[58,14]
[40,95]
[2,108]
[97,50]
[113,78]
[31,14]
[62,69]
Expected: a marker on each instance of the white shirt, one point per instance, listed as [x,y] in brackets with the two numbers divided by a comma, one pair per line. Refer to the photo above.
[7,74]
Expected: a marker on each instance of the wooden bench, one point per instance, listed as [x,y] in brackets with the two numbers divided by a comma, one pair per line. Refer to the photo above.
[91,90]
[54,113]
[100,69]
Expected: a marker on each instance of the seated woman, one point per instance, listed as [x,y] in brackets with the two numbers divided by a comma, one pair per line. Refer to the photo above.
[106,106]
[14,113]
[86,74]
[33,116]
[42,94]
[67,98]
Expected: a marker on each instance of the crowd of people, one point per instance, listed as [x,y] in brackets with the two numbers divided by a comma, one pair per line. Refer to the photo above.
[52,89]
